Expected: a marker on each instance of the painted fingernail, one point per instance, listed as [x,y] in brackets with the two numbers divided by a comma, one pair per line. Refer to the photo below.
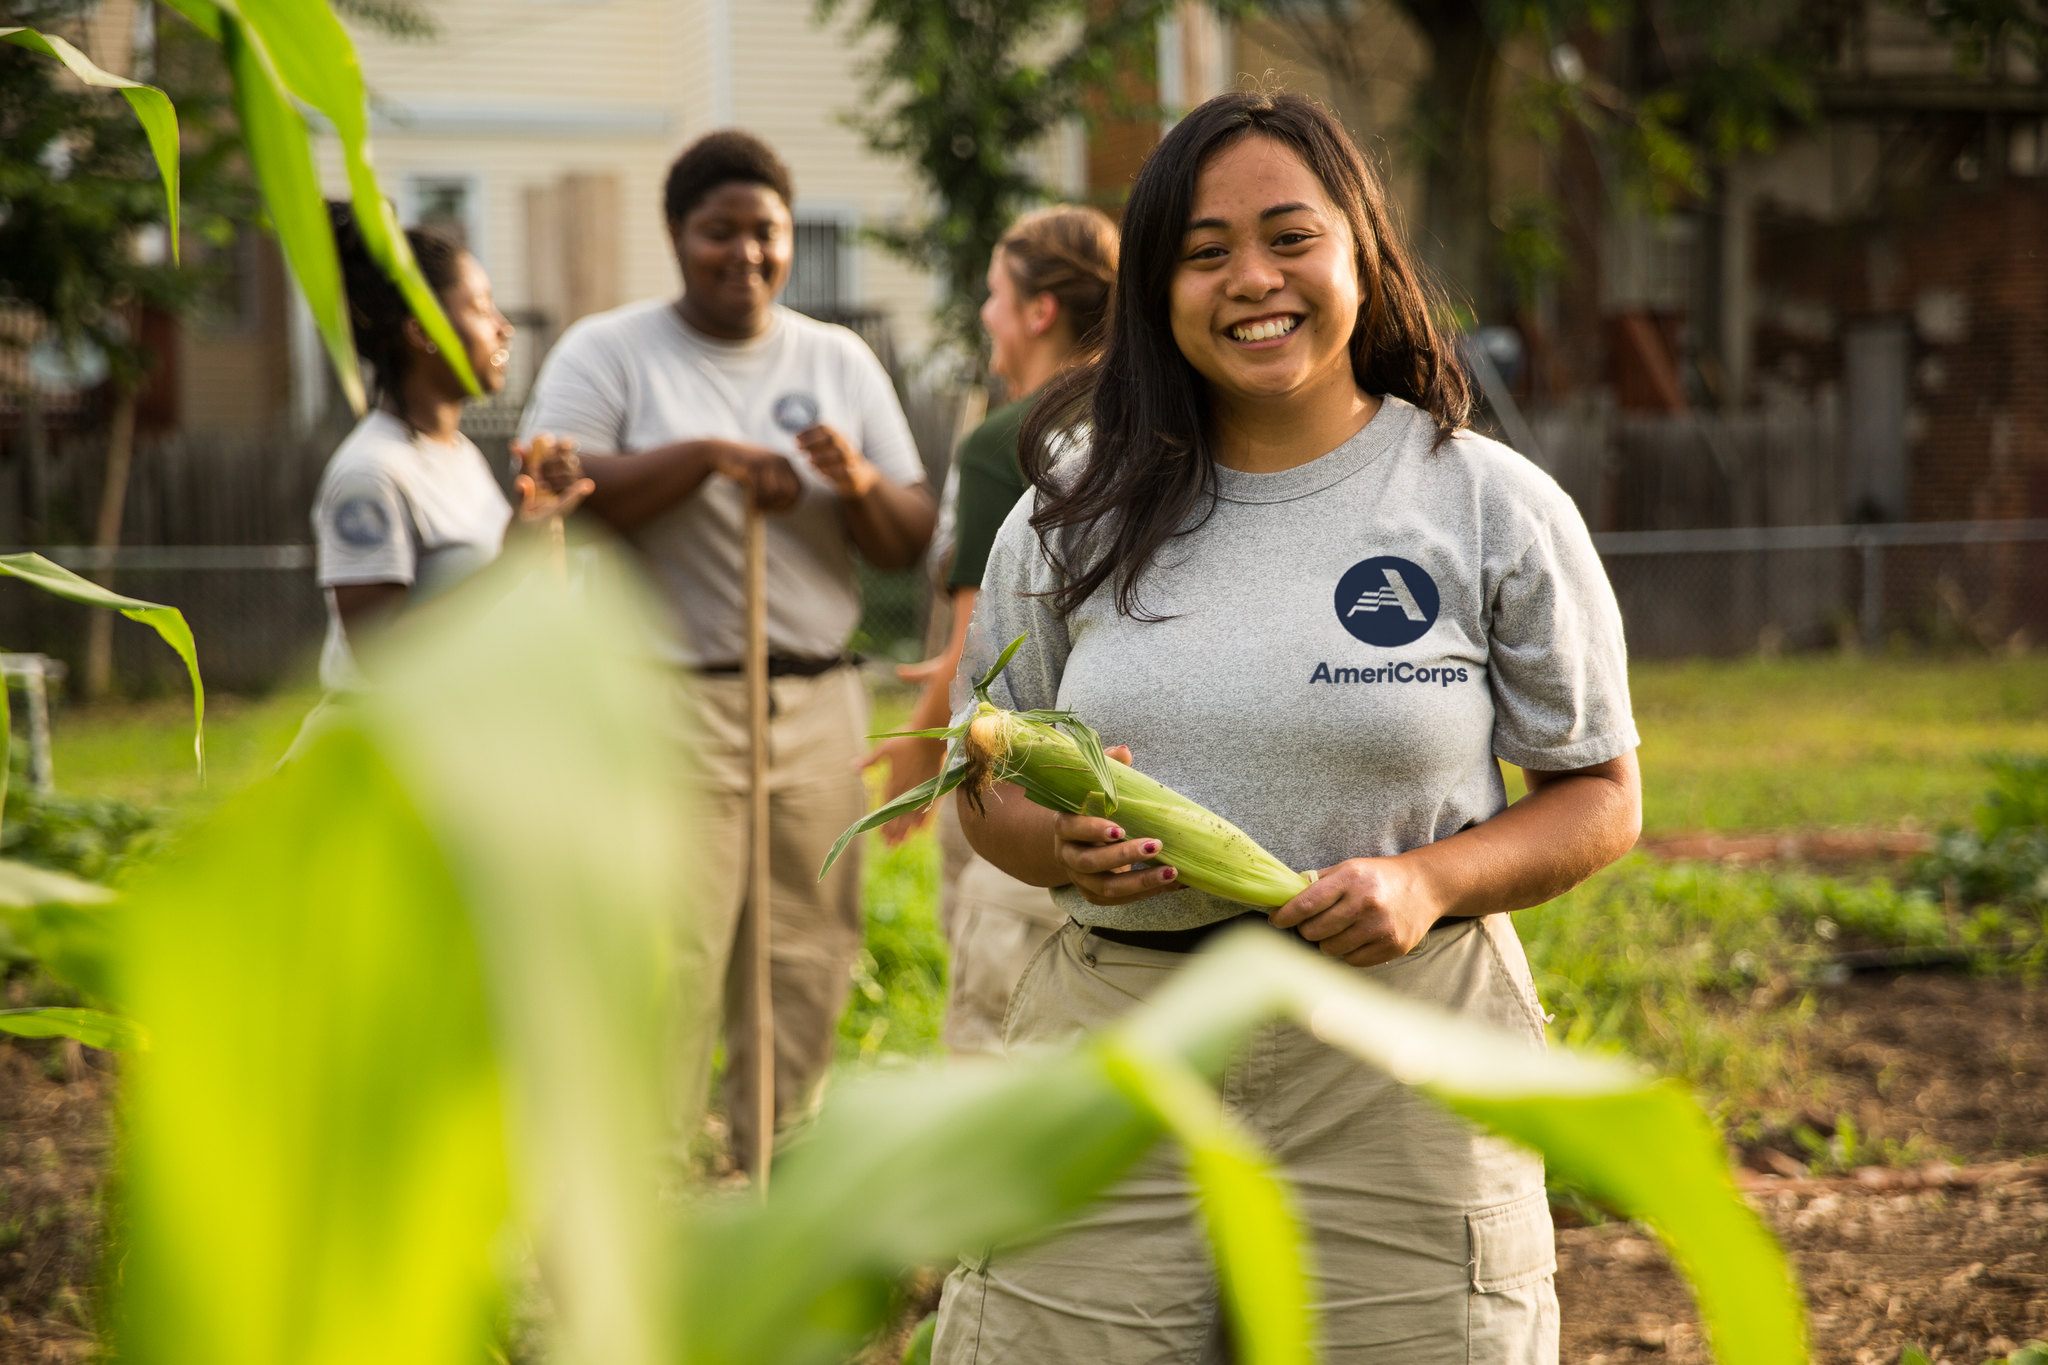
[1168,874]
[1115,833]
[1151,847]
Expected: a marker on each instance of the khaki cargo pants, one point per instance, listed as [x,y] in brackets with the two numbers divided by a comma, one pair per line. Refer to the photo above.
[1431,1244]
[994,925]
[816,735]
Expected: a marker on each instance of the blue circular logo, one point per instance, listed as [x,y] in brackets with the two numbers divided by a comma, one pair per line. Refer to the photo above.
[795,412]
[1386,601]
[363,522]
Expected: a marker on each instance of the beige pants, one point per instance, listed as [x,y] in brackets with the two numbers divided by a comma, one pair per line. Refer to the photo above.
[815,739]
[994,924]
[1430,1244]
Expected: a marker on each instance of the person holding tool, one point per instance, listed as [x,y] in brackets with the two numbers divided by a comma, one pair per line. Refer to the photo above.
[1295,589]
[688,412]
[1049,282]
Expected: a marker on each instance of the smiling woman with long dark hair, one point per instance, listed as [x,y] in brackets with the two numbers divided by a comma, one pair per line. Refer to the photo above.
[1266,559]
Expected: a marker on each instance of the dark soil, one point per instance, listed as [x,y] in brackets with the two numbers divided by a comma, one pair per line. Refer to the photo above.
[1926,1065]
[54,1138]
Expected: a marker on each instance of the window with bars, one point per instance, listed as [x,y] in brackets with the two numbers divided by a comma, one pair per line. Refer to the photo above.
[818,282]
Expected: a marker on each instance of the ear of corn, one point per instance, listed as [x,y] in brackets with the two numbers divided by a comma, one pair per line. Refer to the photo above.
[1058,762]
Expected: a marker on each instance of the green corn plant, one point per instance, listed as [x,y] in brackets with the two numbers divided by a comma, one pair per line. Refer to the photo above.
[167,622]
[282,54]
[57,918]
[1059,762]
[405,1004]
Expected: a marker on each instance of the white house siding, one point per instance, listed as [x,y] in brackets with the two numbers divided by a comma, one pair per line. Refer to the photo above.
[515,94]
[793,83]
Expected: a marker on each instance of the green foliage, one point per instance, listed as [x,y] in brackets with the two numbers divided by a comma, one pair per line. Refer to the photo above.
[961,90]
[1706,971]
[152,109]
[167,622]
[82,178]
[2004,858]
[899,981]
[2018,799]
[96,838]
[315,1173]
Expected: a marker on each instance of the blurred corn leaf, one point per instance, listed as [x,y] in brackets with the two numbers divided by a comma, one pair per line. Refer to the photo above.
[1258,1243]
[313,1142]
[520,716]
[168,622]
[910,1168]
[152,108]
[281,153]
[282,53]
[349,1015]
[1639,1144]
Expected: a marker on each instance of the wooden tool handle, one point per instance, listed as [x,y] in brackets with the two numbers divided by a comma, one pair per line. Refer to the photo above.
[758,872]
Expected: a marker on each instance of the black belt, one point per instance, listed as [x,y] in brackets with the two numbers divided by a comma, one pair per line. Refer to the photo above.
[1188,940]
[784,666]
[1184,940]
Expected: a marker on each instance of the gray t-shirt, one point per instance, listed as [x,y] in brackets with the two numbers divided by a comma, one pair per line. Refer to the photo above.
[637,377]
[1352,642]
[398,508]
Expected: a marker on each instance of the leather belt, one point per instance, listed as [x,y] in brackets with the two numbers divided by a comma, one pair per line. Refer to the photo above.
[784,666]
[1184,940]
[1188,940]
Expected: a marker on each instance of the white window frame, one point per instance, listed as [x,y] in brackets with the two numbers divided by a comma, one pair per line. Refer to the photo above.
[473,215]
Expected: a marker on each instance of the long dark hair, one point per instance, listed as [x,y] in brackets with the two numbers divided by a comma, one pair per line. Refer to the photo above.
[1149,474]
[377,312]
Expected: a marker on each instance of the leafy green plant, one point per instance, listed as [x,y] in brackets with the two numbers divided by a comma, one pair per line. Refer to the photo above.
[2003,857]
[449,1023]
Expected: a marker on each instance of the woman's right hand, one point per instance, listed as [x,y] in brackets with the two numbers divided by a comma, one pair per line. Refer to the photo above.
[1106,867]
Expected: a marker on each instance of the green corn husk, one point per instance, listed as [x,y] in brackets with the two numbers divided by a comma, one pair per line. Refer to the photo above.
[1059,763]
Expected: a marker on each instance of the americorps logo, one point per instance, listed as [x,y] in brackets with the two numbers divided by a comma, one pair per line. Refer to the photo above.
[1386,601]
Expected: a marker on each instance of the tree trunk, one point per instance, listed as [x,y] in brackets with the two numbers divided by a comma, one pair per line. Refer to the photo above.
[1454,116]
[99,645]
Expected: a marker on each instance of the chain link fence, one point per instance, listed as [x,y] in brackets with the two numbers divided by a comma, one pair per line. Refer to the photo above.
[1734,590]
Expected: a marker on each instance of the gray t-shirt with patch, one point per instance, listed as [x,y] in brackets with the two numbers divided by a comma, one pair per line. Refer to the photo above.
[637,377]
[1351,644]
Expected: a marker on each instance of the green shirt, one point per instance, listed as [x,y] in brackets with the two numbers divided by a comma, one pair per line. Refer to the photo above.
[991,481]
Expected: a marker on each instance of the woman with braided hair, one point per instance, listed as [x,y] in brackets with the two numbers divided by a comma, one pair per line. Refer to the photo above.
[408,506]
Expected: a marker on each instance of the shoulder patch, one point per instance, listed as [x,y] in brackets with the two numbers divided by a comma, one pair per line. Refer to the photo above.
[362,520]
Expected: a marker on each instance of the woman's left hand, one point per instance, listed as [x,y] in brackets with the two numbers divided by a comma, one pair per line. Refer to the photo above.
[1364,910]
